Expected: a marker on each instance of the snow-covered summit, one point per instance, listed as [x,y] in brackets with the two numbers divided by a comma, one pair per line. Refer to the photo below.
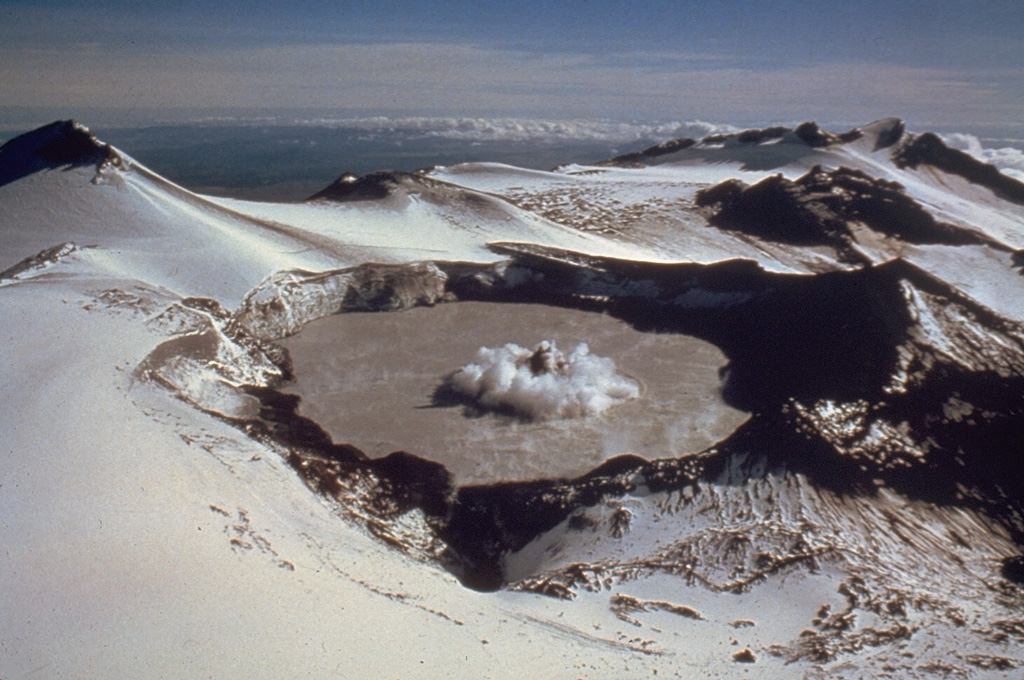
[63,143]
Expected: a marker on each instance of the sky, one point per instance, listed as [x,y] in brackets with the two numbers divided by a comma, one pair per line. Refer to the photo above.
[941,62]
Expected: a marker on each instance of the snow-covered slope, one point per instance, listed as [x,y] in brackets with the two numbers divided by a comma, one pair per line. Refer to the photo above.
[83,192]
[817,471]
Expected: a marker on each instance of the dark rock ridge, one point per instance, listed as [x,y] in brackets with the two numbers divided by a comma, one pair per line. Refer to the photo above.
[392,185]
[637,158]
[807,133]
[39,261]
[816,137]
[928,149]
[61,144]
[751,136]
[372,187]
[845,381]
[819,207]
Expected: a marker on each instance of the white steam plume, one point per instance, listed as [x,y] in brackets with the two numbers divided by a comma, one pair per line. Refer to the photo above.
[542,383]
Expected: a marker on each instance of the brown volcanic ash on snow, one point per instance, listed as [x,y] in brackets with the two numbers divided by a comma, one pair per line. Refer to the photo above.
[790,437]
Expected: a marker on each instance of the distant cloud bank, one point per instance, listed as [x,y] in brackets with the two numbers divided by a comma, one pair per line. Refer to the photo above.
[494,129]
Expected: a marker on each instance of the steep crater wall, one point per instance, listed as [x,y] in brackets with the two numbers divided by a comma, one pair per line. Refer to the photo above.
[883,376]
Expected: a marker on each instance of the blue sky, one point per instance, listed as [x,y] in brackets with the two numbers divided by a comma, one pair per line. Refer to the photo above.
[939,62]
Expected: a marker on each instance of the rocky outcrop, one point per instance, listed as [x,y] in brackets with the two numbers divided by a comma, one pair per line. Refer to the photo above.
[806,133]
[814,136]
[61,144]
[637,158]
[822,207]
[372,187]
[39,261]
[286,301]
[929,149]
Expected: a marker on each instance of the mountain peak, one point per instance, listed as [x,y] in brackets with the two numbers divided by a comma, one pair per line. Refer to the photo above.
[882,133]
[61,143]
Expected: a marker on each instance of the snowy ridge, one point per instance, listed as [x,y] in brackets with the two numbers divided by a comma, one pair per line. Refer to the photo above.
[1008,159]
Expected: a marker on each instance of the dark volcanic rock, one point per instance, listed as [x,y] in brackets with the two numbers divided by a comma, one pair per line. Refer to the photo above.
[816,137]
[638,158]
[819,207]
[39,260]
[928,149]
[1013,568]
[752,136]
[372,187]
[392,188]
[757,136]
[61,144]
[808,132]
[777,209]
